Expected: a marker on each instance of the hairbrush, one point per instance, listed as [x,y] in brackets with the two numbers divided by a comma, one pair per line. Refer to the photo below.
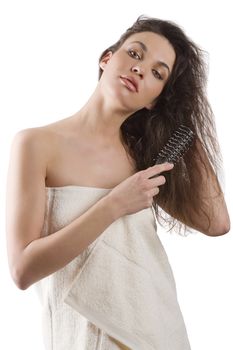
[176,146]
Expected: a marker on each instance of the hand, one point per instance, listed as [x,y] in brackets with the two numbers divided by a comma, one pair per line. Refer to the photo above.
[137,191]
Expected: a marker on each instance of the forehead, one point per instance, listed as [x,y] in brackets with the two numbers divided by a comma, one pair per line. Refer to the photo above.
[157,45]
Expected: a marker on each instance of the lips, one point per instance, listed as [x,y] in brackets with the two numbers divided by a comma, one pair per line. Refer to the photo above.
[130,83]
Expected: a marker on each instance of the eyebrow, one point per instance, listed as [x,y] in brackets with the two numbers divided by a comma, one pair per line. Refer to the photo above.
[144,48]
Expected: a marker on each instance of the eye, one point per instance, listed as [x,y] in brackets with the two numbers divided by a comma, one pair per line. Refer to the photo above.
[157,74]
[134,54]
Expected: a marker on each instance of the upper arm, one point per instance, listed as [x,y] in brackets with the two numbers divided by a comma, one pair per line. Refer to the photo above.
[25,193]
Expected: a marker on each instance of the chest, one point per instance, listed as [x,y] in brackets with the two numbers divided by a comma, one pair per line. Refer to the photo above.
[85,163]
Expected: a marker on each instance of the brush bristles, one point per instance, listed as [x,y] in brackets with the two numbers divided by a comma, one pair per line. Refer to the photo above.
[176,147]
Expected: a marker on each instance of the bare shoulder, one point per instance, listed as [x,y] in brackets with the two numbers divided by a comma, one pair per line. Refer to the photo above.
[35,136]
[41,140]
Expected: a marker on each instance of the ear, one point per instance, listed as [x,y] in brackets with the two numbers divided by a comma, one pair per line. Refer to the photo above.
[105,59]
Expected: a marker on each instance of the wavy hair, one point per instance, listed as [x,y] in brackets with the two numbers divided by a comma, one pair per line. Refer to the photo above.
[183,100]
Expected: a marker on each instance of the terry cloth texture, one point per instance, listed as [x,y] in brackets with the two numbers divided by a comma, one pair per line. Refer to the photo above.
[119,293]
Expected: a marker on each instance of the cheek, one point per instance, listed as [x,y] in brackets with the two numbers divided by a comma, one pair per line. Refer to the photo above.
[114,68]
[154,89]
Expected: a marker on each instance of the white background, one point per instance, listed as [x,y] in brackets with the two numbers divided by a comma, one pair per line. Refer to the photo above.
[49,65]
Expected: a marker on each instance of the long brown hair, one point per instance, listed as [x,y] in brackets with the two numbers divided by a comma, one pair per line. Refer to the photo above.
[182,101]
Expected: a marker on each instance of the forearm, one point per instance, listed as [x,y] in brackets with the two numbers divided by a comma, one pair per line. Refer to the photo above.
[213,200]
[46,255]
[215,206]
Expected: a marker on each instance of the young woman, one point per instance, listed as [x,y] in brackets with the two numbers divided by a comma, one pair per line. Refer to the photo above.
[71,181]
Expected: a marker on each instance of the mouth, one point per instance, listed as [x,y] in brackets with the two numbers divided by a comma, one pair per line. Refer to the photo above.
[129,82]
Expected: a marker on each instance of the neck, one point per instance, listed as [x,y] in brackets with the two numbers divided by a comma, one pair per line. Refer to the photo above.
[102,119]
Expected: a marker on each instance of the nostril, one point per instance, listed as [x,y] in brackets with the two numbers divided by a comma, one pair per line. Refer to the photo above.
[138,71]
[135,69]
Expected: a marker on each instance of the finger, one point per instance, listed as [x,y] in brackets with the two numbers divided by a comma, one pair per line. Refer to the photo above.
[155,191]
[157,181]
[158,168]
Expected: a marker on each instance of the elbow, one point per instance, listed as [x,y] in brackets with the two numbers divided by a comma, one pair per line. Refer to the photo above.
[225,229]
[19,278]
[220,230]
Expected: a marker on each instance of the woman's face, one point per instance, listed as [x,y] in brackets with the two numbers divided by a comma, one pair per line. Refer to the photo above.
[137,72]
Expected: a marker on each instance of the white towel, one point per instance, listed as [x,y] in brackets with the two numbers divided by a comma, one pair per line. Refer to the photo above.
[126,287]
[122,283]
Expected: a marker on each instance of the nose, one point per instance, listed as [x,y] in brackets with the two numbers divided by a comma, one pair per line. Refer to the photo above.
[138,70]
